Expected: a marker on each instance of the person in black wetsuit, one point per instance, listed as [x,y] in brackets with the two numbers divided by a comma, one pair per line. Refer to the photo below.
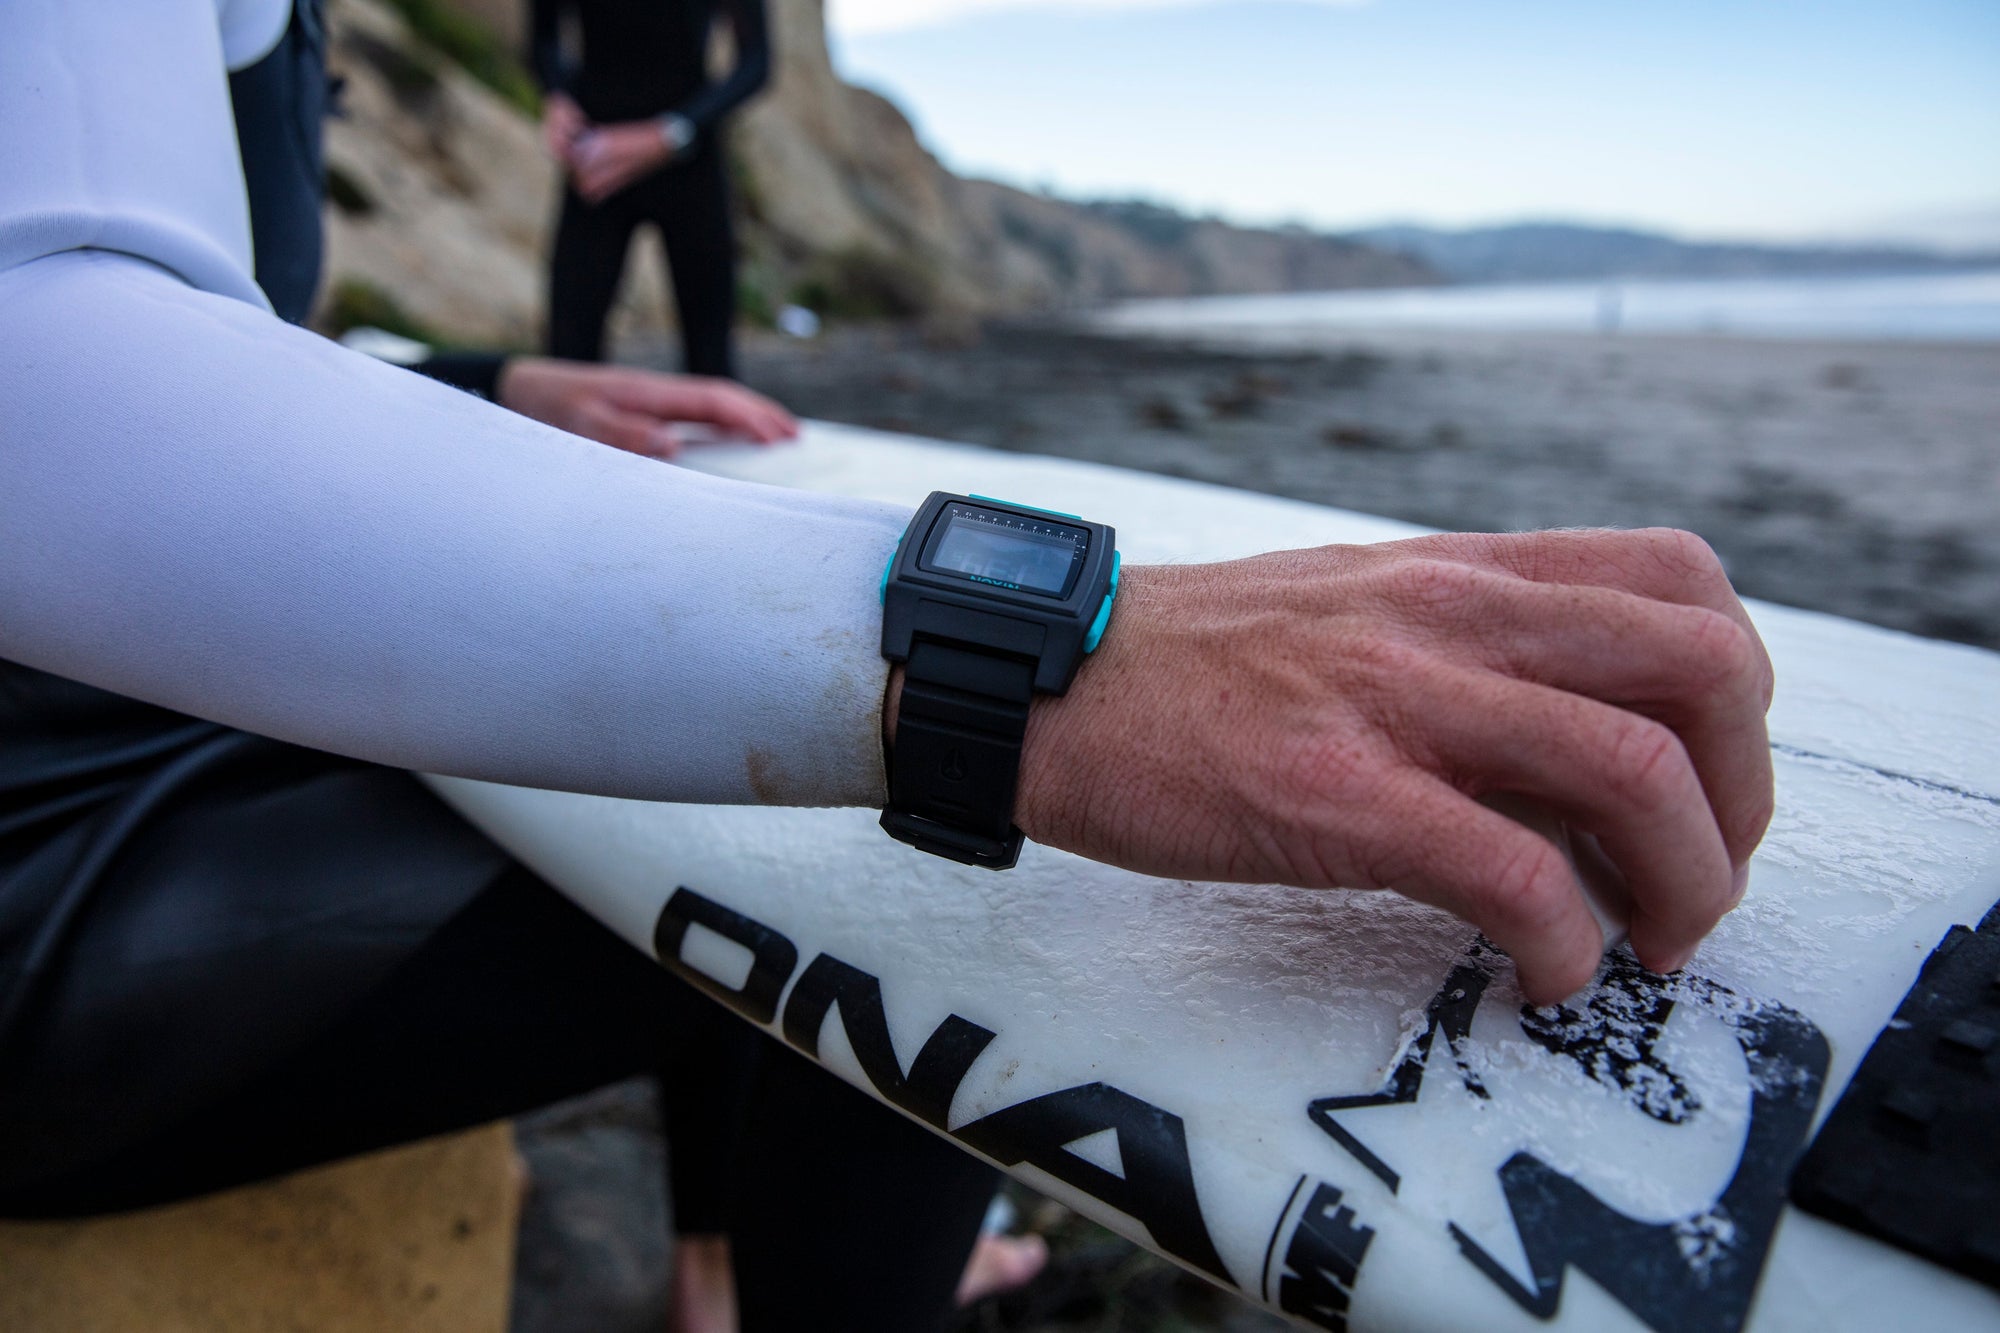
[299,956]
[636,125]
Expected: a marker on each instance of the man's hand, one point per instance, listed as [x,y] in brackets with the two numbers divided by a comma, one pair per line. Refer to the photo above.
[605,160]
[562,122]
[1330,717]
[635,410]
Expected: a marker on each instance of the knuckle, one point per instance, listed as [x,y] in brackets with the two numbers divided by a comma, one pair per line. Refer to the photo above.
[1528,888]
[1559,556]
[1433,585]
[1683,555]
[1385,660]
[1744,825]
[1725,656]
[1324,773]
[1645,765]
[1725,653]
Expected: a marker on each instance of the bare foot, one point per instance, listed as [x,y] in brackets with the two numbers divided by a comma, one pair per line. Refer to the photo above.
[1001,1263]
[703,1299]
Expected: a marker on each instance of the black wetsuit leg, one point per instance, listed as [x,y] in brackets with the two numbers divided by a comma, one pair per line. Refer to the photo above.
[844,1215]
[706,1087]
[689,203]
[810,1179]
[585,264]
[691,208]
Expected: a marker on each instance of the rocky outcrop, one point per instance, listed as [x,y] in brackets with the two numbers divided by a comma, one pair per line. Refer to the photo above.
[836,170]
[443,201]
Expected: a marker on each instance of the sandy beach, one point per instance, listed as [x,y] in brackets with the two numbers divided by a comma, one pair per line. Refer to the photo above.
[1857,478]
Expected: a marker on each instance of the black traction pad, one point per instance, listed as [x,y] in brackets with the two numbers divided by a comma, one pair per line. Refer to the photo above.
[1911,1153]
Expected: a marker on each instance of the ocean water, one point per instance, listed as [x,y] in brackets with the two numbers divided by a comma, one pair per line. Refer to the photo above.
[1940,307]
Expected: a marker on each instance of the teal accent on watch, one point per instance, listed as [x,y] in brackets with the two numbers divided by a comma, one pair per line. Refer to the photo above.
[1096,631]
[882,593]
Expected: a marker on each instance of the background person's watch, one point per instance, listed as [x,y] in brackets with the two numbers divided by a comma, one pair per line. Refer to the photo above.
[986,603]
[676,131]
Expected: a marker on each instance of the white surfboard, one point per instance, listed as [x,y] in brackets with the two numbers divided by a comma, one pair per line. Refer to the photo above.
[1335,1102]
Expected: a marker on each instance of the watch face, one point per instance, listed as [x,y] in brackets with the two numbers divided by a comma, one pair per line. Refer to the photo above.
[1008,550]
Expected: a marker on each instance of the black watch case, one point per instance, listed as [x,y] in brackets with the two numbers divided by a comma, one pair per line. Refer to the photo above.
[937,586]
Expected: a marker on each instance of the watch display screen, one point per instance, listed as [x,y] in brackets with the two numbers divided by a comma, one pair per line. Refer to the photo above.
[1009,550]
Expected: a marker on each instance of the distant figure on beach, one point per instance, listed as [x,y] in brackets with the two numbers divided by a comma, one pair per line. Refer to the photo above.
[635,124]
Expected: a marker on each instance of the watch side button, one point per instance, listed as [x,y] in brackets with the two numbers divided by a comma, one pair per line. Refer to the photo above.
[1096,631]
[1097,625]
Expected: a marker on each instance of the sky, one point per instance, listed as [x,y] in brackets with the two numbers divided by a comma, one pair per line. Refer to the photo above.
[1751,119]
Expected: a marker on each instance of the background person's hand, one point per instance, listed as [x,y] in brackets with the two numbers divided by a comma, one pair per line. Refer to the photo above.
[636,410]
[562,121]
[606,159]
[1330,717]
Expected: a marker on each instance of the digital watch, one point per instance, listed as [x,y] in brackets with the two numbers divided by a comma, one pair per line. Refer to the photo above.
[986,603]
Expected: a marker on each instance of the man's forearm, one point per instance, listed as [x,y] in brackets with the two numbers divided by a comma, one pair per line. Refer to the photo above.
[707,108]
[546,57]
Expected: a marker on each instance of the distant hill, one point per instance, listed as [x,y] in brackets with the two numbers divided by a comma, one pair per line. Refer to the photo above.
[1553,251]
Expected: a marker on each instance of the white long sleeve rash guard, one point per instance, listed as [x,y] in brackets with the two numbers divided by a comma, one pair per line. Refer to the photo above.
[205,508]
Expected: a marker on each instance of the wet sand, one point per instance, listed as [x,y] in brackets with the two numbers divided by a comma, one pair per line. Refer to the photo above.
[1857,478]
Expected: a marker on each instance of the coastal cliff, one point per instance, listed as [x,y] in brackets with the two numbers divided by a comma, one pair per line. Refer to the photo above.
[442,201]
[836,175]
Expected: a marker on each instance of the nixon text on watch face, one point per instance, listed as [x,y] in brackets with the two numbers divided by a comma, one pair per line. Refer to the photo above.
[1007,550]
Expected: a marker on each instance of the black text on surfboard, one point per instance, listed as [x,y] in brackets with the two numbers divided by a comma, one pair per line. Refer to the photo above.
[1156,1187]
[1323,1258]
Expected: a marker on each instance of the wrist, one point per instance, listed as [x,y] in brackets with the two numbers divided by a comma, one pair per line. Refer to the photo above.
[1066,733]
[892,700]
[505,386]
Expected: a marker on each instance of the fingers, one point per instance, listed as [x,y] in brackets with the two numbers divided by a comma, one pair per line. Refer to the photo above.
[634,432]
[611,157]
[635,409]
[665,442]
[562,122]
[729,407]
[1624,778]
[1623,685]
[597,168]
[1692,668]
[596,181]
[1511,883]
[1664,564]
[740,412]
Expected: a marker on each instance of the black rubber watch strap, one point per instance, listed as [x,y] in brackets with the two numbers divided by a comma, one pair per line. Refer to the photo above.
[957,753]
